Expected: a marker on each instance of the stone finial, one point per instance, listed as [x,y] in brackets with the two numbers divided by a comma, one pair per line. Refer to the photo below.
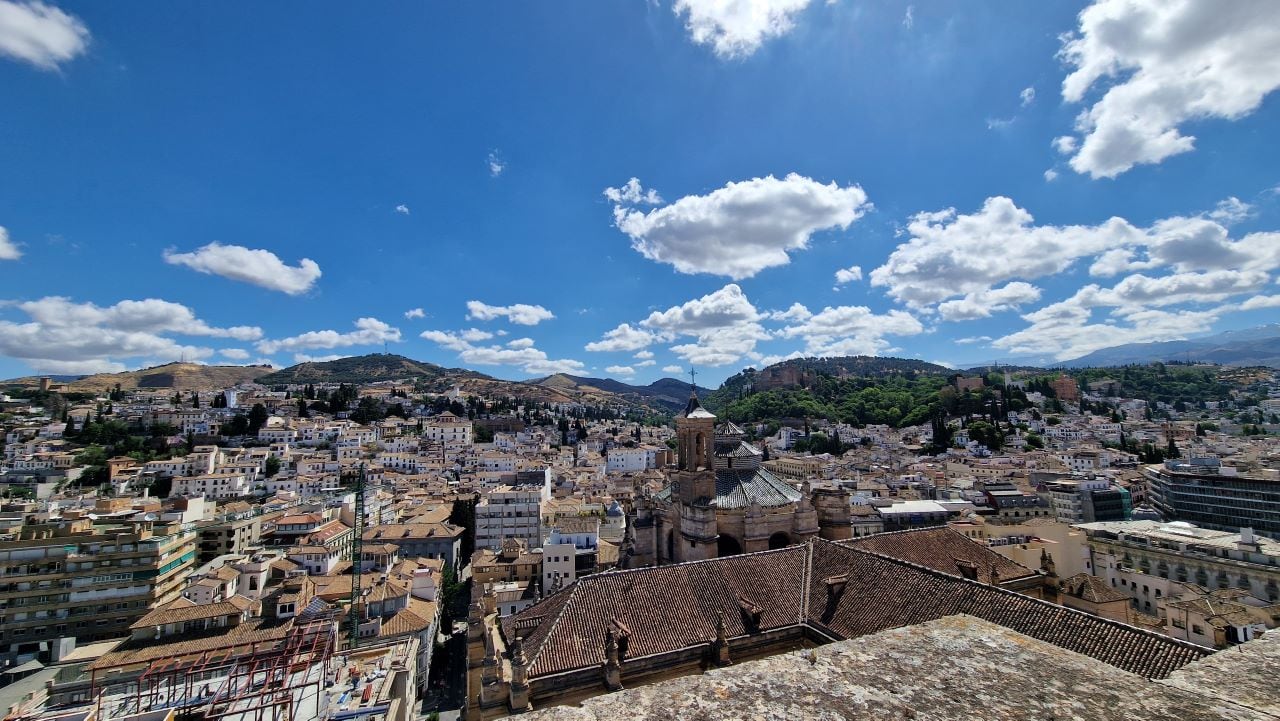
[612,666]
[722,641]
[995,576]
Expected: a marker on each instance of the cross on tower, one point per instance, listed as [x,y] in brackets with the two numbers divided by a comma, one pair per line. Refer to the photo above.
[693,379]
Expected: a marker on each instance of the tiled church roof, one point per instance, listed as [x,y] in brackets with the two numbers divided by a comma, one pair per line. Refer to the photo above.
[843,591]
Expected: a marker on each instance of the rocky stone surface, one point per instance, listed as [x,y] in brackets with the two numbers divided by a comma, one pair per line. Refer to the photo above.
[958,667]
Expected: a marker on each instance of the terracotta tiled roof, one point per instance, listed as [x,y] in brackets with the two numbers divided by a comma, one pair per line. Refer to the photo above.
[668,607]
[942,549]
[181,610]
[842,591]
[1092,589]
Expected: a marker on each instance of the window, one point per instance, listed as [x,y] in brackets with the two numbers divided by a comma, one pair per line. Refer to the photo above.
[1197,630]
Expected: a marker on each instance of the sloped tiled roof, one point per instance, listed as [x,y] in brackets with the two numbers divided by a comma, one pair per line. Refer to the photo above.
[739,488]
[942,549]
[665,608]
[843,591]
[1091,589]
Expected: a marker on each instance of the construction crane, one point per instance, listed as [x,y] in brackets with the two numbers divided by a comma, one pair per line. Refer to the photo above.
[353,614]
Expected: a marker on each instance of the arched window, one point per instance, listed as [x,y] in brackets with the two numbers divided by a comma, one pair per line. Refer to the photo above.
[727,546]
[779,540]
[699,445]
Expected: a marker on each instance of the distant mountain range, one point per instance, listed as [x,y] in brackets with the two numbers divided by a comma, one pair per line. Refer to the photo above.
[175,376]
[1259,346]
[669,393]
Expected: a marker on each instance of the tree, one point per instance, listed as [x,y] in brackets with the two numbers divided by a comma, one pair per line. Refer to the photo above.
[257,418]
[303,411]
[195,399]
[272,467]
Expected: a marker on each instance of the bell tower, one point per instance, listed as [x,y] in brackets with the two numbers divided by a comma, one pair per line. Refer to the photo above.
[695,483]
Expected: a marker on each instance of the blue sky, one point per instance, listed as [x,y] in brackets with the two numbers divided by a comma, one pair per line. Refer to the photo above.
[1022,182]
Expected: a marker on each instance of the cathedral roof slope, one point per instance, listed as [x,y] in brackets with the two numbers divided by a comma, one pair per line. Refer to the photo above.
[661,609]
[830,588]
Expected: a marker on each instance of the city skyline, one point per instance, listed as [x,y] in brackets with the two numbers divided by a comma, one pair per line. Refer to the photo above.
[629,190]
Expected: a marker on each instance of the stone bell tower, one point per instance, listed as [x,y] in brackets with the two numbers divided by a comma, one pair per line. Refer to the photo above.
[695,483]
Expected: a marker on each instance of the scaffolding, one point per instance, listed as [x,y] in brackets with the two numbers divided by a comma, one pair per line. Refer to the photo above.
[280,680]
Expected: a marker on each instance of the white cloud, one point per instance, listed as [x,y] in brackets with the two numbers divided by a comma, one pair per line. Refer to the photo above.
[258,267]
[1169,63]
[1027,96]
[848,275]
[646,363]
[644,354]
[519,313]
[851,330]
[402,209]
[304,358]
[40,34]
[369,331]
[475,335]
[1261,301]
[62,336]
[797,311]
[724,325]
[520,353]
[737,28]
[1000,123]
[415,313]
[445,339]
[234,353]
[1230,211]
[1065,144]
[150,315]
[1050,175]
[633,193]
[496,164]
[672,369]
[8,249]
[973,339]
[909,19]
[742,228]
[623,338]
[627,371]
[982,303]
[952,255]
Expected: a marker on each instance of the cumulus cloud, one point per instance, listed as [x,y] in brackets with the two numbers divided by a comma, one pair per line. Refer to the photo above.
[737,28]
[620,371]
[646,363]
[1050,175]
[62,336]
[982,303]
[519,353]
[950,254]
[851,330]
[848,275]
[1167,63]
[1230,211]
[40,34]
[519,313]
[234,353]
[369,331]
[402,209]
[797,311]
[742,228]
[415,313]
[973,339]
[724,326]
[1027,96]
[644,354]
[1261,301]
[258,267]
[672,369]
[623,338]
[8,249]
[633,193]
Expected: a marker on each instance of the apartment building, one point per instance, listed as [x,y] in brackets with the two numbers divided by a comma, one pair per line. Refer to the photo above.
[1086,500]
[511,512]
[72,578]
[1204,492]
[1147,558]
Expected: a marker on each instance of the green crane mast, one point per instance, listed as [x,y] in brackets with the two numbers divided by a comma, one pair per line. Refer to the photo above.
[357,540]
